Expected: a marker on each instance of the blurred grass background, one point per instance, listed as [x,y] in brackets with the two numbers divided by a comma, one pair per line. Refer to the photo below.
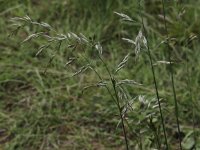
[40,111]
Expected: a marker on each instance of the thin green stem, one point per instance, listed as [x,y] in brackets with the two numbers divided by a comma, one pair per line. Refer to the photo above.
[115,100]
[120,112]
[154,80]
[99,76]
[158,99]
[172,77]
[113,81]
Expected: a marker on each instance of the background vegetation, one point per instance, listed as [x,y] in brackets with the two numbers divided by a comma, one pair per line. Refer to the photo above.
[49,111]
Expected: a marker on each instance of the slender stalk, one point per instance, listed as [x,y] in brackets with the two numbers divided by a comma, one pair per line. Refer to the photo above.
[120,112]
[154,80]
[99,76]
[116,101]
[113,81]
[172,77]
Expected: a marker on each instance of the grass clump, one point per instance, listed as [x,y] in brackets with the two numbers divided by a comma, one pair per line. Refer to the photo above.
[75,76]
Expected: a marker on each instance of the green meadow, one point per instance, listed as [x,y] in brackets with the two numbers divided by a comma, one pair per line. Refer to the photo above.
[99,75]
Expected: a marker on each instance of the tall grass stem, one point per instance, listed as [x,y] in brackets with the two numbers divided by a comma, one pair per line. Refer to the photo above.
[172,76]
[154,78]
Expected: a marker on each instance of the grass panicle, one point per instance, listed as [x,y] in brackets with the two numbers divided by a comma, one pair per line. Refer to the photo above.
[84,79]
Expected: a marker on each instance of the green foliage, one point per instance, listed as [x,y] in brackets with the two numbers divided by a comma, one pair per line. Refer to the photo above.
[43,107]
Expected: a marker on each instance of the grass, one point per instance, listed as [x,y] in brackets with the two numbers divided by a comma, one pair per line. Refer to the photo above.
[49,111]
[155,82]
[172,76]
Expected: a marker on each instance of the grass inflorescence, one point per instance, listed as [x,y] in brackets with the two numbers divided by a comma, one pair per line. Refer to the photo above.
[94,75]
